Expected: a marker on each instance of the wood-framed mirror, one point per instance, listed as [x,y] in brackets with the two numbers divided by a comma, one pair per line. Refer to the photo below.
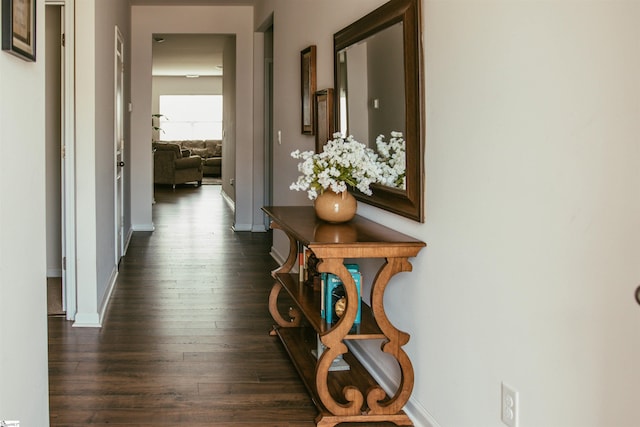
[379,89]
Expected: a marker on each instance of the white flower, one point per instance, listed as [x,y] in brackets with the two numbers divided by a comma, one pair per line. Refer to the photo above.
[392,160]
[345,162]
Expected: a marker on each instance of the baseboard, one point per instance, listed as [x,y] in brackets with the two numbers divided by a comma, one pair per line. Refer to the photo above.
[54,272]
[127,240]
[107,295]
[87,320]
[259,228]
[94,320]
[241,227]
[228,200]
[416,412]
[277,256]
[143,227]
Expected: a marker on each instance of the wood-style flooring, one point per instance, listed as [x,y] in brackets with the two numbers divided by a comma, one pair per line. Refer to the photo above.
[185,338]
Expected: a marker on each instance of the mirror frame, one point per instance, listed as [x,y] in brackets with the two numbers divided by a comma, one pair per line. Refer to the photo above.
[410,202]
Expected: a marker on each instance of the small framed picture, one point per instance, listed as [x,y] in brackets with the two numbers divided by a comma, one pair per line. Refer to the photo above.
[325,121]
[19,28]
[308,79]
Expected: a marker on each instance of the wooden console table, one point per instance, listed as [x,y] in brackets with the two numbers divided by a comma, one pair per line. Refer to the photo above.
[353,395]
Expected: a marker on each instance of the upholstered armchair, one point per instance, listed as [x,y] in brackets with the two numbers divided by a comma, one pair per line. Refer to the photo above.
[172,165]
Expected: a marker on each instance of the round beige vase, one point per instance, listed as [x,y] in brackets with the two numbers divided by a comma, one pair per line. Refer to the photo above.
[334,207]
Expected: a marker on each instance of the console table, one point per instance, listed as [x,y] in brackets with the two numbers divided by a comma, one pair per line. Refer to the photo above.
[353,395]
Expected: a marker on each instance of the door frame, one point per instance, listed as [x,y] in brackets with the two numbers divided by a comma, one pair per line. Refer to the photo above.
[68,199]
[119,148]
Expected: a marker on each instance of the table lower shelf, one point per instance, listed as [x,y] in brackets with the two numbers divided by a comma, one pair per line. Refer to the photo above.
[299,343]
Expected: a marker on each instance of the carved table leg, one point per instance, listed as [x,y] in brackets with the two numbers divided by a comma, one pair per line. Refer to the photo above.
[286,267]
[335,347]
[393,345]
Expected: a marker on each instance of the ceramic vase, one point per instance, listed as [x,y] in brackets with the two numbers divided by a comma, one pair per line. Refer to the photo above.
[334,207]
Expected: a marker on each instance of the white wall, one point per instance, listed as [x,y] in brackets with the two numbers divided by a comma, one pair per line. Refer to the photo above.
[95,163]
[23,308]
[532,205]
[147,20]
[532,212]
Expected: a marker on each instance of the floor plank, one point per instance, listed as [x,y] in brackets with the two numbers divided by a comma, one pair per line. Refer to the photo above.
[185,339]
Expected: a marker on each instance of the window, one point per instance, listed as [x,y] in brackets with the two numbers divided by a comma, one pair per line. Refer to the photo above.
[190,117]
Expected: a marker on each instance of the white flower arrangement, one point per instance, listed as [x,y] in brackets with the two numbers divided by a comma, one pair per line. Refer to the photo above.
[393,160]
[347,162]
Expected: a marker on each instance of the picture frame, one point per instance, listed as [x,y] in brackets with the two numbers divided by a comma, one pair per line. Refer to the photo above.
[19,28]
[308,88]
[324,117]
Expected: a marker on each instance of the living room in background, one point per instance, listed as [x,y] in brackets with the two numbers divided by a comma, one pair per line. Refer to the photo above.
[190,117]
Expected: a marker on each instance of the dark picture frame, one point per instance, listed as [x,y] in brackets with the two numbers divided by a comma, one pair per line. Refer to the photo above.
[19,28]
[308,88]
[324,117]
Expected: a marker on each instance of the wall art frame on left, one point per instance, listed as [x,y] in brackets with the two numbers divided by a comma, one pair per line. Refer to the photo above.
[308,88]
[19,28]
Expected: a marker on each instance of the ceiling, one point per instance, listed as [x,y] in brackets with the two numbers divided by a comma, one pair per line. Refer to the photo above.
[188,54]
[193,2]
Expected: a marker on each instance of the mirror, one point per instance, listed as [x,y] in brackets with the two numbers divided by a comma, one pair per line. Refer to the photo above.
[379,90]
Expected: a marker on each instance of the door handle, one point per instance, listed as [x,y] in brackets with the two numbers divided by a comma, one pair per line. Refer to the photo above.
[638,294]
[121,164]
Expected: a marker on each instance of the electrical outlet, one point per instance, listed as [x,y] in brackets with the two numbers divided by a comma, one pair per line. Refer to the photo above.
[510,406]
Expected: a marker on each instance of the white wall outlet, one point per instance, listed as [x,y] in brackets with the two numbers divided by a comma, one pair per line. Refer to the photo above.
[510,406]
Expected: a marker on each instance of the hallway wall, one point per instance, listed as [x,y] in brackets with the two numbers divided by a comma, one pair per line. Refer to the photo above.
[23,309]
[532,205]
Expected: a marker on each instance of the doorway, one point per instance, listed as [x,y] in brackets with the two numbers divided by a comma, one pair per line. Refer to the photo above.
[54,158]
[119,147]
[60,157]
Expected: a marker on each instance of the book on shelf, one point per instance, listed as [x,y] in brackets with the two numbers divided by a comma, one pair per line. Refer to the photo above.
[338,364]
[333,296]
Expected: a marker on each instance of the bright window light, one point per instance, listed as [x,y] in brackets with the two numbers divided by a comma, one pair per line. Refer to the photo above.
[187,117]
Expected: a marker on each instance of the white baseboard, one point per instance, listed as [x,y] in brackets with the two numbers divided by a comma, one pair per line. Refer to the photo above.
[107,295]
[228,200]
[416,412]
[259,228]
[277,256]
[127,240]
[54,272]
[87,320]
[143,227]
[94,320]
[241,227]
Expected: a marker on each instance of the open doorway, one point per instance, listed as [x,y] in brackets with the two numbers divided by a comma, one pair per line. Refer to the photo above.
[54,188]
[191,101]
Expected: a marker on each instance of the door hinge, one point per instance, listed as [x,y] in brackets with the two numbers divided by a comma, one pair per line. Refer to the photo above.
[64,262]
[63,152]
[62,39]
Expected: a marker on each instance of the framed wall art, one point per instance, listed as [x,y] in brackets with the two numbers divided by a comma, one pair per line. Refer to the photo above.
[324,118]
[308,79]
[19,28]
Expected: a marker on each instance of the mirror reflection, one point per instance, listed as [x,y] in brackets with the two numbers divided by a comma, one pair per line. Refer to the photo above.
[379,90]
[370,88]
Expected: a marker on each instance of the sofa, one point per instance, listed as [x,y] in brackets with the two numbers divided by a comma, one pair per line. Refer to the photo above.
[174,165]
[209,150]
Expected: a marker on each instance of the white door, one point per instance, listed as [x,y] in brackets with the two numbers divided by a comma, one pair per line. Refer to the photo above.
[119,145]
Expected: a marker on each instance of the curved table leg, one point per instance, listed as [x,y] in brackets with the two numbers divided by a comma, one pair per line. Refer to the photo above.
[286,267]
[393,345]
[335,347]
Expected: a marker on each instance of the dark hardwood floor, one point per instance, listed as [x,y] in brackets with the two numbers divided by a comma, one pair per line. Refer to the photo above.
[185,338]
